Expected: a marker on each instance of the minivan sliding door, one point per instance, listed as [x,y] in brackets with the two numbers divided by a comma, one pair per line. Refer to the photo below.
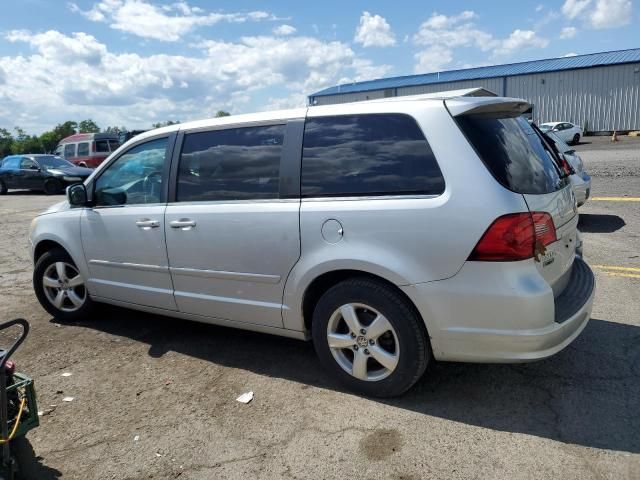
[232,228]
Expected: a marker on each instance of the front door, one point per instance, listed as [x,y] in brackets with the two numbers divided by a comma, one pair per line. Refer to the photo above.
[123,234]
[231,239]
[29,176]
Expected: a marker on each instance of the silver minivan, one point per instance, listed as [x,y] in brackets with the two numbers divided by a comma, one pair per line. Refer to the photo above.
[389,232]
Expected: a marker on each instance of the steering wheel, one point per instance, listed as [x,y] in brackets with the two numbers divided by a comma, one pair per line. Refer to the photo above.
[148,184]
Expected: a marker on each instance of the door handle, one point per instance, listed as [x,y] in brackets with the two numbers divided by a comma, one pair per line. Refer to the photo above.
[183,223]
[147,224]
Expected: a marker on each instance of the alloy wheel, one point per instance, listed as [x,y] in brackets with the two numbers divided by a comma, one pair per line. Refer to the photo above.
[363,342]
[64,287]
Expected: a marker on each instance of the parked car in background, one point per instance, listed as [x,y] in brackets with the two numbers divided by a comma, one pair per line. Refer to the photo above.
[390,232]
[49,173]
[580,180]
[567,131]
[87,149]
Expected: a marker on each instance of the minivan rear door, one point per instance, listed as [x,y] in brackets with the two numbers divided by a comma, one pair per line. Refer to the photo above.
[232,224]
[521,161]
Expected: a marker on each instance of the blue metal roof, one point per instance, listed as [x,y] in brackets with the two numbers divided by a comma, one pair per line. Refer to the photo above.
[510,69]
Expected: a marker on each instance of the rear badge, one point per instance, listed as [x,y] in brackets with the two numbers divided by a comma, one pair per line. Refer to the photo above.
[542,255]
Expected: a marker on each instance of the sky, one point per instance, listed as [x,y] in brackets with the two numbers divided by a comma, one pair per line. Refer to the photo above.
[135,62]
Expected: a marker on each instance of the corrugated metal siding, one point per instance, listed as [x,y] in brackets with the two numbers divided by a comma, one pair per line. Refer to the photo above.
[493,71]
[603,98]
[493,84]
[349,97]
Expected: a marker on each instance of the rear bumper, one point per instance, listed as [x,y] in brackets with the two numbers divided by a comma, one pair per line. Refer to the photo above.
[513,319]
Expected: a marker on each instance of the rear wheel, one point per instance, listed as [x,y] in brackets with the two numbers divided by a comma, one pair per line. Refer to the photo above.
[576,139]
[370,337]
[60,287]
[3,188]
[53,186]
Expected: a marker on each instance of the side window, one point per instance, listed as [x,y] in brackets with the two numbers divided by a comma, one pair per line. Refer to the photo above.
[232,164]
[83,149]
[102,146]
[114,144]
[11,162]
[375,154]
[70,150]
[28,164]
[59,151]
[136,177]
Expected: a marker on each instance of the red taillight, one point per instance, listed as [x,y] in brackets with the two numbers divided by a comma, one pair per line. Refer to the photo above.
[514,236]
[566,166]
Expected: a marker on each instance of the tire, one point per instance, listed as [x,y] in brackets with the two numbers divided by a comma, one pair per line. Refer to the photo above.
[3,188]
[65,298]
[405,342]
[576,139]
[53,186]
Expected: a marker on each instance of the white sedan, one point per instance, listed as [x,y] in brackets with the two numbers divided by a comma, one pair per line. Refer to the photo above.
[567,131]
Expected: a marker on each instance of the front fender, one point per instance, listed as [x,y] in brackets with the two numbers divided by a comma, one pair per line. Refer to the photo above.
[62,228]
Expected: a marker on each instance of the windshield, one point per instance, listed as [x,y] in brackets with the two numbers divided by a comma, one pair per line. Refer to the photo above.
[52,161]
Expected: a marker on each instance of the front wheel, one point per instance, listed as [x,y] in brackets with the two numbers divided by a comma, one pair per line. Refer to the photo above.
[60,287]
[53,186]
[576,139]
[3,188]
[370,337]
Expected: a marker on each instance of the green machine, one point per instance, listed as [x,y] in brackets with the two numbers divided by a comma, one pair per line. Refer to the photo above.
[18,407]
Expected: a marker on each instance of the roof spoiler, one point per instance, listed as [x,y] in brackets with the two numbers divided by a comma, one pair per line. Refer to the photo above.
[487,106]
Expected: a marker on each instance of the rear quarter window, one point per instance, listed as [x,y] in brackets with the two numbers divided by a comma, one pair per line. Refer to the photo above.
[371,154]
[513,152]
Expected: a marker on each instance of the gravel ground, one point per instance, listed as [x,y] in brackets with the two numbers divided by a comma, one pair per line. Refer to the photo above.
[155,397]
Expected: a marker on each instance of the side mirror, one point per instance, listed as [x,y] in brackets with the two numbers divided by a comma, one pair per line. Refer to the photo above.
[77,195]
[34,167]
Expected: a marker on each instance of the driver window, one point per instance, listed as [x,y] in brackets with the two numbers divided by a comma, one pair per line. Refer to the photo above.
[136,177]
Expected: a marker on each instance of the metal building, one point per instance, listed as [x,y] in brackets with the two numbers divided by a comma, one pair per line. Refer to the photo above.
[599,91]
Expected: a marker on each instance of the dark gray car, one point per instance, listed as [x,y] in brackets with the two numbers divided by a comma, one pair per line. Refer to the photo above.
[49,173]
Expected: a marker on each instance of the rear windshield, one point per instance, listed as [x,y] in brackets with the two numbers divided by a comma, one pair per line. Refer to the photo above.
[513,152]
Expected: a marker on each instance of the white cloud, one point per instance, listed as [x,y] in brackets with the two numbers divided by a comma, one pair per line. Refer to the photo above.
[440,34]
[571,54]
[433,59]
[611,13]
[374,31]
[166,23]
[284,30]
[568,32]
[519,40]
[599,14]
[573,8]
[75,76]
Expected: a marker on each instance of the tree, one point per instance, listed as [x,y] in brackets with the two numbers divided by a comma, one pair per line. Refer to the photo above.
[222,113]
[65,129]
[115,129]
[88,126]
[6,140]
[23,143]
[49,141]
[165,124]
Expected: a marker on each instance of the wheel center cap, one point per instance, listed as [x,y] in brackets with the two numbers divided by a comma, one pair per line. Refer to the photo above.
[362,341]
